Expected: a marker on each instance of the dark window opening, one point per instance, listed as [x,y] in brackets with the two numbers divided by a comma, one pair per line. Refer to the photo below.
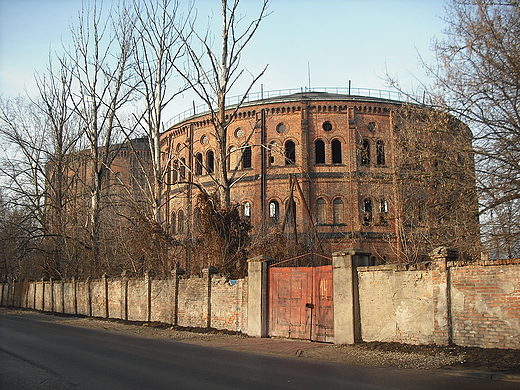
[381,160]
[173,223]
[180,221]
[246,157]
[183,170]
[210,161]
[290,153]
[291,213]
[198,164]
[383,212]
[327,126]
[365,152]
[336,152]
[320,151]
[367,212]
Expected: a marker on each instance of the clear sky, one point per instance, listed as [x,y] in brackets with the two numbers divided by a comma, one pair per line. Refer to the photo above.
[339,40]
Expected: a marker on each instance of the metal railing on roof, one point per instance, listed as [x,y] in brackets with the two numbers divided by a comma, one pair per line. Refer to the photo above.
[261,95]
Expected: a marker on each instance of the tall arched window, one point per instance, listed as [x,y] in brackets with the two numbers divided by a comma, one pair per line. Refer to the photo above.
[383,212]
[247,210]
[196,220]
[338,211]
[380,149]
[321,211]
[231,158]
[173,223]
[274,211]
[367,212]
[210,161]
[180,222]
[176,171]
[246,157]
[183,169]
[319,146]
[336,152]
[290,153]
[198,164]
[365,152]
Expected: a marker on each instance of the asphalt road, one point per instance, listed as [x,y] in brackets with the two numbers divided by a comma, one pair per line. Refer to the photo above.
[45,355]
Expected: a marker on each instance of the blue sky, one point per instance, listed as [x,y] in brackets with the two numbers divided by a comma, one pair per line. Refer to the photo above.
[339,40]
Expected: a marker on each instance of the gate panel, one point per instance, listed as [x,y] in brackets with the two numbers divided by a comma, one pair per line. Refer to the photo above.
[300,303]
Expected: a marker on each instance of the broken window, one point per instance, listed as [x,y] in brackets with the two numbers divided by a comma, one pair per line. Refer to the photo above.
[380,146]
[290,153]
[383,212]
[367,212]
[365,152]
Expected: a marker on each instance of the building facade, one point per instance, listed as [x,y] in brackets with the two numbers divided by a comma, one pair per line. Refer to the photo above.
[345,163]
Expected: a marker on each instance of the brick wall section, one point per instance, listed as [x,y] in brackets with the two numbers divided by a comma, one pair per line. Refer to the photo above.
[486,304]
[228,305]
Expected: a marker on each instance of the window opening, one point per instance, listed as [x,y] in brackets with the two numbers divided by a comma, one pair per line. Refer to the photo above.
[183,169]
[247,209]
[281,128]
[180,222]
[290,153]
[336,152]
[173,223]
[381,160]
[198,164]
[365,152]
[383,212]
[367,212]
[246,157]
[274,211]
[210,161]
[372,126]
[291,213]
[319,146]
[327,126]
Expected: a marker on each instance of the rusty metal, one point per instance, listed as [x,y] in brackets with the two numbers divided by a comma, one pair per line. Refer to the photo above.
[300,303]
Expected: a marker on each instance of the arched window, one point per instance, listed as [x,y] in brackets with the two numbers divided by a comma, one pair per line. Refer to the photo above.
[321,211]
[383,212]
[290,153]
[380,149]
[246,157]
[367,212]
[183,169]
[274,211]
[247,210]
[365,152]
[274,153]
[336,152]
[319,146]
[338,211]
[176,171]
[210,161]
[198,164]
[180,222]
[173,223]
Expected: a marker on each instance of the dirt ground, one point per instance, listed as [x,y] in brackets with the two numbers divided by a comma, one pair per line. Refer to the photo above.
[374,354]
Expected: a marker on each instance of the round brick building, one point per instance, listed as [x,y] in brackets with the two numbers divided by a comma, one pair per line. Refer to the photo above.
[337,158]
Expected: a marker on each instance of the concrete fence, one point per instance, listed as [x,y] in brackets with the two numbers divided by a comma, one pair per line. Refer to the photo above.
[207,302]
[442,302]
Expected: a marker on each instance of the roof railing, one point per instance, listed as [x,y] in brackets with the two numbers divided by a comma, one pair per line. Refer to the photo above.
[261,95]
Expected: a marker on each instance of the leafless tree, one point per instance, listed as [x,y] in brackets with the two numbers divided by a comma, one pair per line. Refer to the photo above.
[213,73]
[101,58]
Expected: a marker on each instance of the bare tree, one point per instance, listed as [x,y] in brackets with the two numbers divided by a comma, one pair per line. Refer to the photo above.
[478,74]
[212,74]
[158,27]
[101,56]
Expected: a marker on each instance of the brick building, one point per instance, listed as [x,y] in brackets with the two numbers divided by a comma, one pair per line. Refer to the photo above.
[346,154]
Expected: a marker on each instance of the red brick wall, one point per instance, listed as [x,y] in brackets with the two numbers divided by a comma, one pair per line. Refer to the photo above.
[485,302]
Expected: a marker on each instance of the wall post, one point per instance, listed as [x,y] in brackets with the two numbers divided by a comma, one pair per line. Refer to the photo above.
[442,333]
[257,296]
[176,273]
[105,285]
[347,322]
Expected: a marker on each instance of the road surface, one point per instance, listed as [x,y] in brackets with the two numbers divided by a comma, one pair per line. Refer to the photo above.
[47,355]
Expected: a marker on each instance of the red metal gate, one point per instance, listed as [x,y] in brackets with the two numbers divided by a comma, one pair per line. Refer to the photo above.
[300,303]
